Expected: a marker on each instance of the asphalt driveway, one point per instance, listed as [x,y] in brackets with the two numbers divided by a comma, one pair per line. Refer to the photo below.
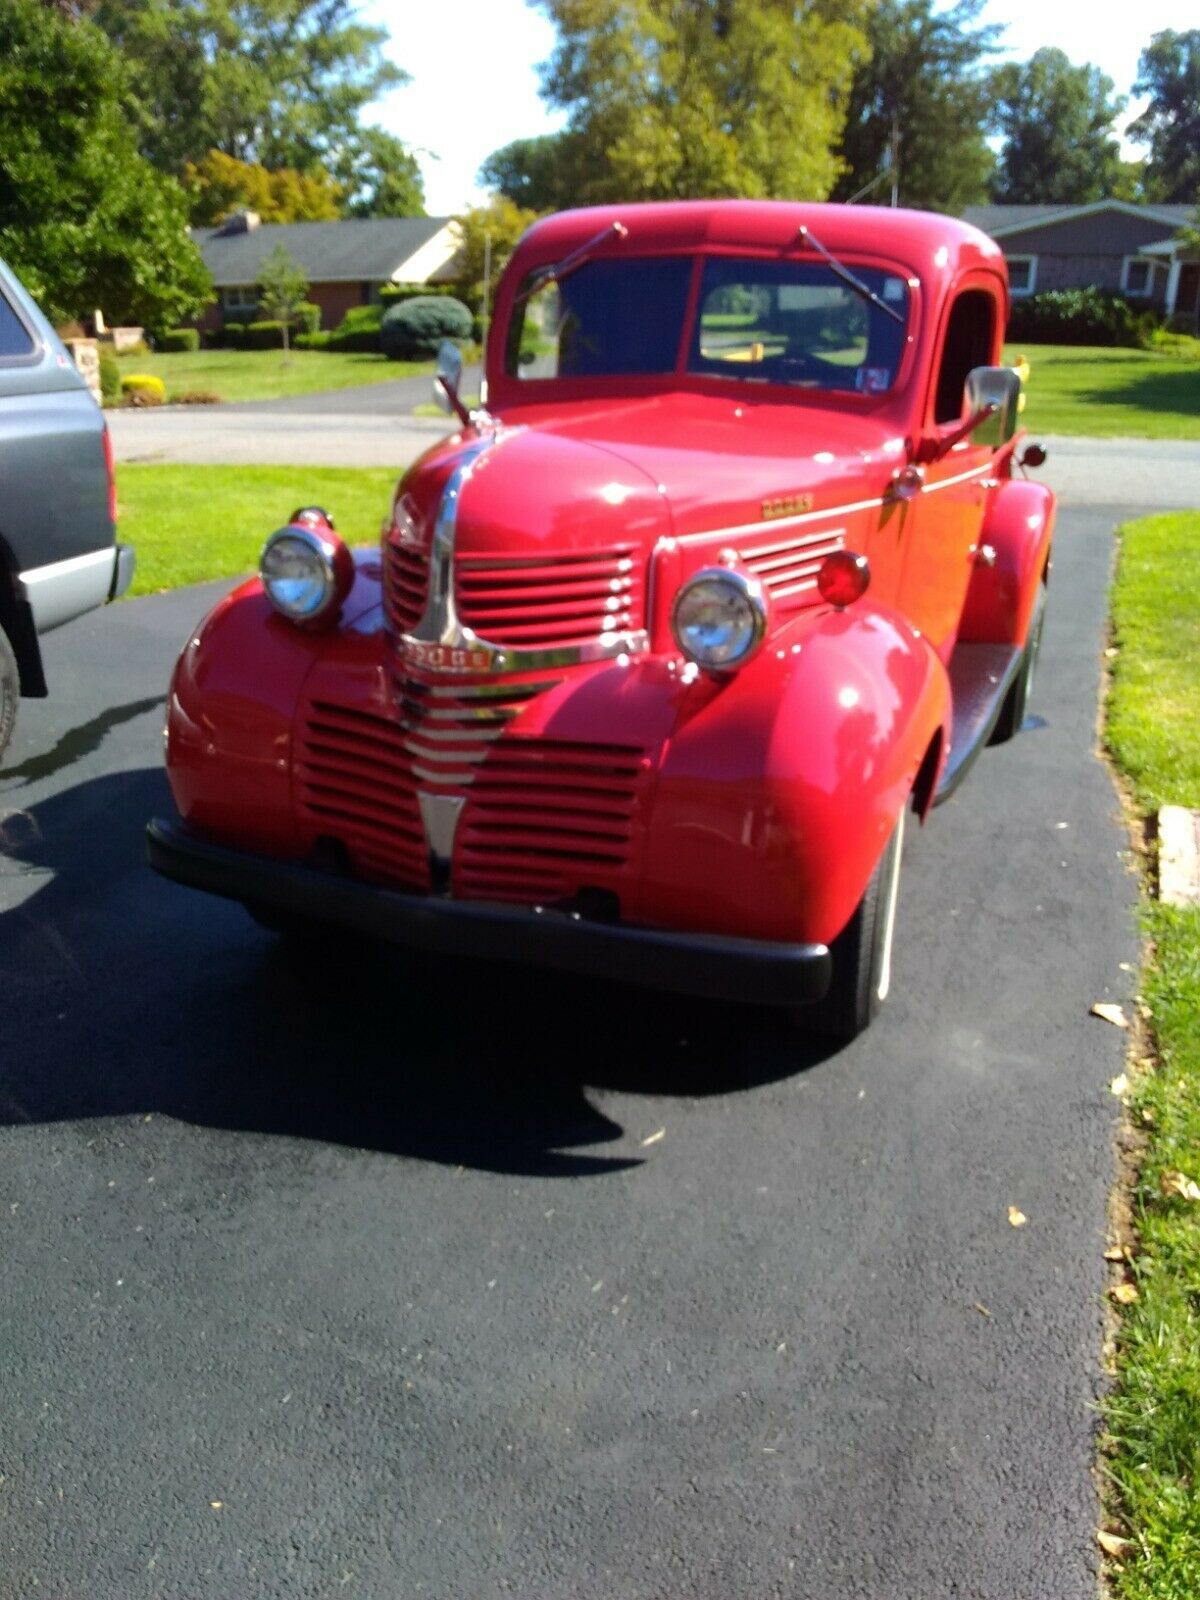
[381,1277]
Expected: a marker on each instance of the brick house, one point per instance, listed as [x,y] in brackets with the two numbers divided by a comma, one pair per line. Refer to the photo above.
[346,262]
[1112,244]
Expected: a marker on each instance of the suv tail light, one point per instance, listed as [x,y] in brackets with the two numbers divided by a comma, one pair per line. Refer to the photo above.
[112,476]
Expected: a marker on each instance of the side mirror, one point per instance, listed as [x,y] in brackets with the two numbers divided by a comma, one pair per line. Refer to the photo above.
[448,376]
[999,387]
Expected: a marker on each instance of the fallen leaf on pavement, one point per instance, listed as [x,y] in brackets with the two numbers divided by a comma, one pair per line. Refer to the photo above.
[1178,1183]
[982,1309]
[216,1504]
[1112,1543]
[1124,1293]
[654,1137]
[1115,1252]
[1017,1219]
[1110,1013]
[1120,1084]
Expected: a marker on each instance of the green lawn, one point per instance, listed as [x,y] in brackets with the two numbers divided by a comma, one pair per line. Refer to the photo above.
[193,523]
[1138,394]
[1154,1415]
[262,375]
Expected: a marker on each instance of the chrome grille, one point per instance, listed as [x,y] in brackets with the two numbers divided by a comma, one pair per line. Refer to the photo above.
[405,576]
[550,600]
[788,568]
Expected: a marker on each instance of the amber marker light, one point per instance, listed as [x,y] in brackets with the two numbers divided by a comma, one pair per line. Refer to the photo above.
[843,578]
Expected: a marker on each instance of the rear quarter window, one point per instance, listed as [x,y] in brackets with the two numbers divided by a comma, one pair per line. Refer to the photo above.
[15,339]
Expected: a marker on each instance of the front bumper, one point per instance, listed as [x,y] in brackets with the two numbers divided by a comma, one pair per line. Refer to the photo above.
[753,971]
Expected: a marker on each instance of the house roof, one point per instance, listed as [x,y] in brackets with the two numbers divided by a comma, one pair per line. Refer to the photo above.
[999,220]
[354,250]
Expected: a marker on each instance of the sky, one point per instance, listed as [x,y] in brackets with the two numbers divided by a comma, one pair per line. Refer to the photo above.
[474,70]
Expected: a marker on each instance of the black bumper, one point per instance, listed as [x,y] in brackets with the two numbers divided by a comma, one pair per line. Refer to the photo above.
[758,972]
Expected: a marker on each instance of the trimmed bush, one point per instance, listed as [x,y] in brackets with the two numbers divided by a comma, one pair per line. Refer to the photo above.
[176,339]
[110,376]
[358,329]
[312,341]
[263,336]
[412,330]
[1081,316]
[143,389]
[391,294]
[233,335]
[307,318]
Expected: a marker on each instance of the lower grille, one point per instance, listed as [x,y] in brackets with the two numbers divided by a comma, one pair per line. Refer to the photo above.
[788,569]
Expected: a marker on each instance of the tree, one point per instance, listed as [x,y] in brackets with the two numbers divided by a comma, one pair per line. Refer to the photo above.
[281,82]
[381,176]
[282,290]
[1169,72]
[923,74]
[538,174]
[715,97]
[1057,124]
[503,223]
[84,220]
[221,184]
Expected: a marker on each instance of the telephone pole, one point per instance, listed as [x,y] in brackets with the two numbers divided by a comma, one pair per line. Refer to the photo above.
[894,158]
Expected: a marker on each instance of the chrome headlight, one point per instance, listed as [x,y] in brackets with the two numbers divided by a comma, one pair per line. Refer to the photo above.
[719,618]
[306,571]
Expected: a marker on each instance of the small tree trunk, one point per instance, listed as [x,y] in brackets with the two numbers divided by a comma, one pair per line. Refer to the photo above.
[285,342]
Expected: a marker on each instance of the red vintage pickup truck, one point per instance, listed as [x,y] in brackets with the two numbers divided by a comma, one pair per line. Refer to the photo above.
[737,568]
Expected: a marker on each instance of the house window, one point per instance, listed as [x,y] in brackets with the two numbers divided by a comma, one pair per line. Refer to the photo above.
[1137,276]
[240,297]
[1022,274]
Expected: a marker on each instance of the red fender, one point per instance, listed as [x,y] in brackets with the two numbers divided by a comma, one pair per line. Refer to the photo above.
[233,696]
[1019,527]
[781,785]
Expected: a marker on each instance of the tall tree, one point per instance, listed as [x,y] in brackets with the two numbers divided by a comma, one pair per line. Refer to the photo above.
[281,82]
[221,184]
[1057,123]
[539,174]
[380,176]
[924,76]
[713,97]
[488,233]
[84,220]
[1169,72]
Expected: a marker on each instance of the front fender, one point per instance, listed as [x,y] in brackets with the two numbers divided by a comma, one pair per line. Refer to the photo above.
[780,786]
[1019,527]
[233,698]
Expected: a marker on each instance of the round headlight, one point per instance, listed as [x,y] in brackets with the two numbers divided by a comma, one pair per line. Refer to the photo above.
[719,618]
[306,572]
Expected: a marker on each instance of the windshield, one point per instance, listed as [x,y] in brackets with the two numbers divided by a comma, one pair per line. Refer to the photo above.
[779,322]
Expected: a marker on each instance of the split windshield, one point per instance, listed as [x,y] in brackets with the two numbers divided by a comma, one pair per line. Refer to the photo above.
[776,322]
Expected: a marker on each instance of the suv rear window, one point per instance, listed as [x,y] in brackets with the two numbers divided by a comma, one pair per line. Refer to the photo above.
[14,335]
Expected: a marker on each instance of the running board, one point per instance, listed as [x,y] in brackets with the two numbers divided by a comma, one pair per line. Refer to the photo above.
[980,677]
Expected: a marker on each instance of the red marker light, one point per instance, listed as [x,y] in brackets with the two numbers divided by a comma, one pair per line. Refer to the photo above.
[843,578]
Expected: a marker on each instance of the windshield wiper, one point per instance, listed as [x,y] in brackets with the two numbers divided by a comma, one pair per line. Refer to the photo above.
[559,269]
[847,277]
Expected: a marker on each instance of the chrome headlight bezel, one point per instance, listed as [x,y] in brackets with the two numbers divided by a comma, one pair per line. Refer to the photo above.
[330,572]
[745,594]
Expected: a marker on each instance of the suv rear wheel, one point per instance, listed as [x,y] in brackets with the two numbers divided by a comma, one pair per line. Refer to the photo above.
[10,690]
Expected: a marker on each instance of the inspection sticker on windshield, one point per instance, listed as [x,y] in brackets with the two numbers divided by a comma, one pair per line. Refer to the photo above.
[873,380]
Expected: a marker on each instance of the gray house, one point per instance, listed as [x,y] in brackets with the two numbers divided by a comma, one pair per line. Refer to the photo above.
[346,262]
[1112,244]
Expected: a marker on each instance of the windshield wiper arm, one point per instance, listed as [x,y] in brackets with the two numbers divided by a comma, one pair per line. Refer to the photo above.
[844,273]
[559,269]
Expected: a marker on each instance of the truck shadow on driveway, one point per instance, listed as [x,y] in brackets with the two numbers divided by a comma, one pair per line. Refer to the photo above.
[126,994]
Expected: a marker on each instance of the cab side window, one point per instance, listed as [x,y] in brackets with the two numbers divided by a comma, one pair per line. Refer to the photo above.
[970,336]
[14,336]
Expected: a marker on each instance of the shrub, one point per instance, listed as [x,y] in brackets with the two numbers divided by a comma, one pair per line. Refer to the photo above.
[263,336]
[358,329]
[143,389]
[233,335]
[110,376]
[177,339]
[312,341]
[413,329]
[391,294]
[1081,316]
[307,318]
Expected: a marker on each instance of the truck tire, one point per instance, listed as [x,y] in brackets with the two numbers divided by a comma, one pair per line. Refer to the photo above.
[10,690]
[1016,701]
[862,953]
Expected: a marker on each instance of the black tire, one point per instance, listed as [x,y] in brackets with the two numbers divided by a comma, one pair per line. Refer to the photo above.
[862,953]
[10,691]
[1016,701]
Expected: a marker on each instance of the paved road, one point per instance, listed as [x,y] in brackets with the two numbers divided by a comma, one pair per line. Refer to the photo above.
[376,1281]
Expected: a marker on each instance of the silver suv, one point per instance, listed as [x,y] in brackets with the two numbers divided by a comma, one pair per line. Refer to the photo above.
[58,551]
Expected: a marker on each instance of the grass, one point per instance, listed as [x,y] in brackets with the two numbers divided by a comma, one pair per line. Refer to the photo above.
[189,524]
[1137,394]
[261,374]
[1153,732]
